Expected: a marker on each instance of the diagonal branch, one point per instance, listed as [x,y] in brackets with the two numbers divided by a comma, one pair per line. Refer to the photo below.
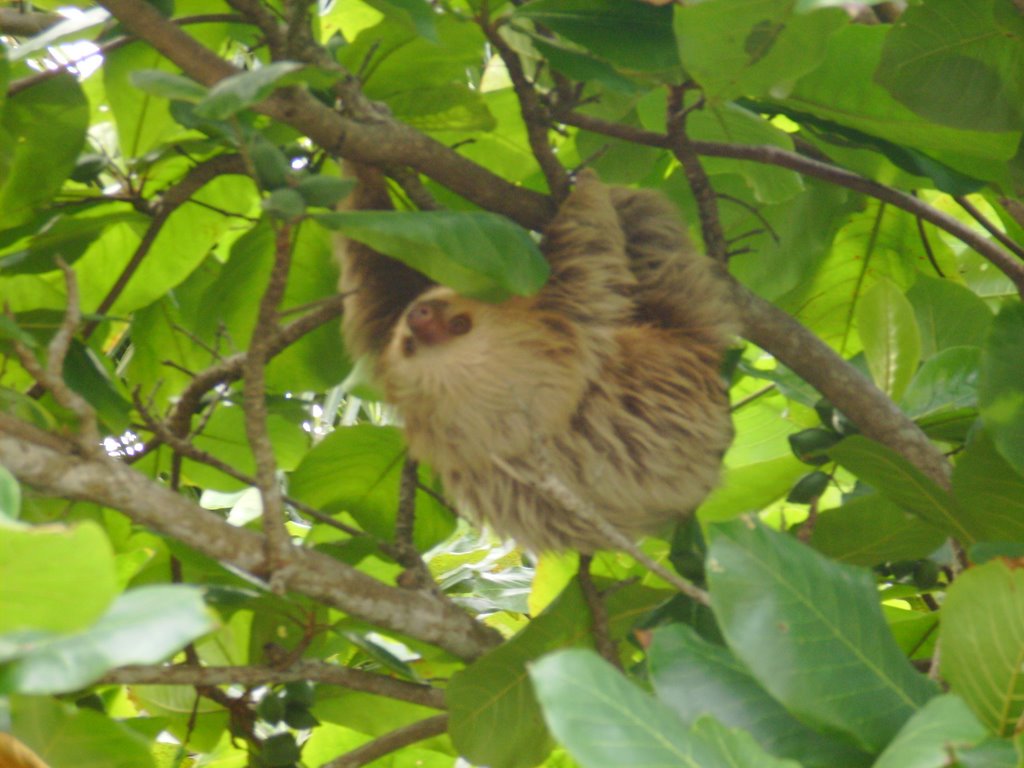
[105,481]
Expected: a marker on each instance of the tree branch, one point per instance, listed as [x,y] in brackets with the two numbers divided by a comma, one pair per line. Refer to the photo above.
[382,142]
[316,671]
[112,484]
[391,742]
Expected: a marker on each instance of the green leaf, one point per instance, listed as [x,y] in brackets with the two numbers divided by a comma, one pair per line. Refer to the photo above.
[842,90]
[1001,387]
[926,739]
[580,66]
[958,63]
[636,36]
[982,637]
[604,720]
[324,191]
[948,315]
[84,372]
[143,626]
[77,736]
[65,237]
[358,470]
[946,384]
[168,85]
[868,530]
[477,254]
[696,678]
[42,131]
[812,633]
[494,695]
[990,491]
[224,437]
[888,331]
[902,483]
[233,94]
[738,48]
[10,498]
[38,596]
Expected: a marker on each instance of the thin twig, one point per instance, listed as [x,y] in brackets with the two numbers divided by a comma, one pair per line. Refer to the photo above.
[599,627]
[251,676]
[535,115]
[50,377]
[991,228]
[279,546]
[391,742]
[700,185]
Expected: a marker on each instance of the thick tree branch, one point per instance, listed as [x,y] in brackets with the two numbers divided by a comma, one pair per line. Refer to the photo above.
[315,671]
[112,484]
[382,142]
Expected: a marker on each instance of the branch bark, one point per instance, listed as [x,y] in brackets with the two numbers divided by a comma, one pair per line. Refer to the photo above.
[112,484]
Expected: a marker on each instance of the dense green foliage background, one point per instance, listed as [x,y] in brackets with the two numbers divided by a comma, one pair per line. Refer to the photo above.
[867,179]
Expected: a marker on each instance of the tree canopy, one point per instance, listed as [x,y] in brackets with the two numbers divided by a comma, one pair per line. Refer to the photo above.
[213,548]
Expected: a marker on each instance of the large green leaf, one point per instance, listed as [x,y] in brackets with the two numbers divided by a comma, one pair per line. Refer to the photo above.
[604,720]
[982,637]
[870,529]
[741,48]
[696,678]
[902,483]
[478,254]
[637,36]
[990,491]
[143,626]
[842,91]
[77,737]
[889,334]
[812,633]
[37,595]
[495,719]
[1001,388]
[948,315]
[224,437]
[42,130]
[926,739]
[946,384]
[959,63]
[358,470]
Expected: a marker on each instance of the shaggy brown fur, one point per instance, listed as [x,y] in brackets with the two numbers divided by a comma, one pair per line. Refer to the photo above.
[608,378]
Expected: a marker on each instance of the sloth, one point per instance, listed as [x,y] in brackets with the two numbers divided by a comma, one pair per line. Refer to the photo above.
[605,384]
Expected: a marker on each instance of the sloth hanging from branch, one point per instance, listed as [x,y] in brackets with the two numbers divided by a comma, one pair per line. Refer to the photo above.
[602,391]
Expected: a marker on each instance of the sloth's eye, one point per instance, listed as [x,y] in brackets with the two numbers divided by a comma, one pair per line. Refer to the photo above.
[459,325]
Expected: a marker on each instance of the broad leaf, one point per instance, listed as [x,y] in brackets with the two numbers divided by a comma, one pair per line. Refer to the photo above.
[999,390]
[926,739]
[948,315]
[990,491]
[77,736]
[967,74]
[982,637]
[477,254]
[143,626]
[42,130]
[738,48]
[630,36]
[870,529]
[946,384]
[888,331]
[604,720]
[902,483]
[235,93]
[812,633]
[696,678]
[35,595]
[358,470]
